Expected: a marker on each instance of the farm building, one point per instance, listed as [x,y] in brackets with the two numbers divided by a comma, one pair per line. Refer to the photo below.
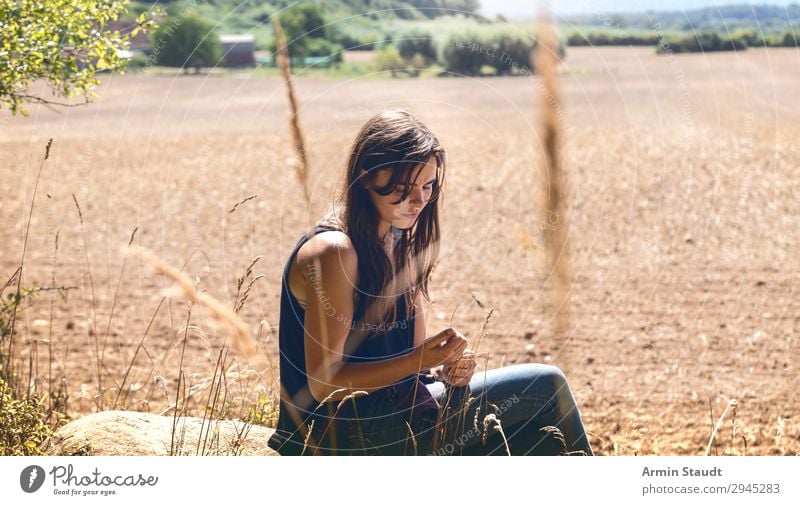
[238,50]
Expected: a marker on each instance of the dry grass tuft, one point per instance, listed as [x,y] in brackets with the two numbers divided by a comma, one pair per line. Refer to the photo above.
[241,339]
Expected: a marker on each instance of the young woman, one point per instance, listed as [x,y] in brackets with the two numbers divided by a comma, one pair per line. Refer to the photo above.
[358,373]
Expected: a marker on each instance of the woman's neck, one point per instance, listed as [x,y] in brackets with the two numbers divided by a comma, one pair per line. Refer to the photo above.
[386,238]
[384,231]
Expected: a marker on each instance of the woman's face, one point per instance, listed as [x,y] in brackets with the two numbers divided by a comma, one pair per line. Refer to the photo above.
[403,214]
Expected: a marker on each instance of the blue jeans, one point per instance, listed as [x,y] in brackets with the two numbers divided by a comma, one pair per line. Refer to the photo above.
[525,398]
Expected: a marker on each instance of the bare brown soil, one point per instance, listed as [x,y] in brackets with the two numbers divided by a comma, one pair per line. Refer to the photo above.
[683,232]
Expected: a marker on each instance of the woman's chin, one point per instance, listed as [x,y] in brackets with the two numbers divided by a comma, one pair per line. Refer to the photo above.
[404,223]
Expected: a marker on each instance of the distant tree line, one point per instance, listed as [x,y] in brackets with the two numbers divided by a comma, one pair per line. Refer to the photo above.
[467,50]
[686,43]
[770,19]
[611,39]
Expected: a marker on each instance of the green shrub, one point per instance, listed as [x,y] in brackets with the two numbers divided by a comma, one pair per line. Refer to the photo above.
[324,47]
[23,424]
[496,49]
[512,53]
[750,37]
[137,61]
[703,42]
[263,413]
[465,53]
[605,39]
[416,41]
[186,42]
[733,44]
[389,59]
[360,42]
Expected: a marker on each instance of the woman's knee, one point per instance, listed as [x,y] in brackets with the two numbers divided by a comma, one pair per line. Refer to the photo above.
[547,380]
[536,379]
[555,377]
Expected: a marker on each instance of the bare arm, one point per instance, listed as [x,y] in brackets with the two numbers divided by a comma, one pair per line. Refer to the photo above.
[419,319]
[332,273]
[420,326]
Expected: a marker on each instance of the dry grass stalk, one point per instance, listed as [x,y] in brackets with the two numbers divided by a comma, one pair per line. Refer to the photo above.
[122,392]
[218,384]
[240,203]
[93,320]
[241,339]
[555,443]
[481,335]
[301,166]
[731,405]
[308,435]
[331,396]
[241,297]
[413,438]
[114,305]
[7,369]
[211,231]
[554,185]
[492,423]
[50,330]
[181,380]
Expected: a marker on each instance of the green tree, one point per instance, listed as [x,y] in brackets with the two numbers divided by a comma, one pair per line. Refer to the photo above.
[416,41]
[465,53]
[306,33]
[304,20]
[62,42]
[302,24]
[512,52]
[187,42]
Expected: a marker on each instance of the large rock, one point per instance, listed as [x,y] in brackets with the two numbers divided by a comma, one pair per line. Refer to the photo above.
[119,433]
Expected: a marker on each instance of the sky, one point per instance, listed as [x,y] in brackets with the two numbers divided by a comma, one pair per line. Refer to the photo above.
[516,9]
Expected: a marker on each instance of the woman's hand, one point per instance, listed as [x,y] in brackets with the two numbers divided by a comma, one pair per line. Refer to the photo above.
[443,348]
[460,372]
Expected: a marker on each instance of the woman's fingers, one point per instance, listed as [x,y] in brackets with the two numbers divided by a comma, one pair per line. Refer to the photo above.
[460,373]
[464,362]
[453,349]
[459,344]
[439,338]
[459,381]
[462,368]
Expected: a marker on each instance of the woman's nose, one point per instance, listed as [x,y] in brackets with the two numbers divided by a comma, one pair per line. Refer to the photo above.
[416,196]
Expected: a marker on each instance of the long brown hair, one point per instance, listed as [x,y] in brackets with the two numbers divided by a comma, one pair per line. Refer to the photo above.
[396,140]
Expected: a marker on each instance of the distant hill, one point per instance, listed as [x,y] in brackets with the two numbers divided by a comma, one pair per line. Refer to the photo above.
[767,18]
[358,22]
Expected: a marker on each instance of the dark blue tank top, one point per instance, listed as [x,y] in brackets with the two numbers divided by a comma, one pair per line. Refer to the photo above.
[297,406]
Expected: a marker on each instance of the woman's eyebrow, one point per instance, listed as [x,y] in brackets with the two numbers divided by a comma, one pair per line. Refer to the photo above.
[415,184]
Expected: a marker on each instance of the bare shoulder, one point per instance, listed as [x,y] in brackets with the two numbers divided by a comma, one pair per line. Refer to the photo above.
[329,248]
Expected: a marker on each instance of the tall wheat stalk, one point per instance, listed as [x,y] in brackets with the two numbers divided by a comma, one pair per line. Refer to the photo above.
[551,202]
[301,164]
